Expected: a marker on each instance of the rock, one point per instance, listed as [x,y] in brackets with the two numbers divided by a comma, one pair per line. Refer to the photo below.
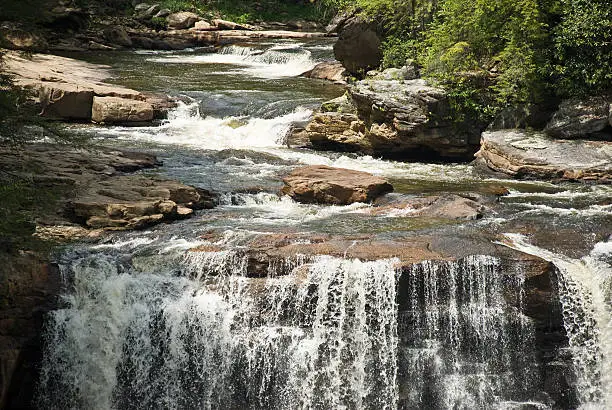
[302,25]
[405,73]
[580,118]
[336,24]
[182,20]
[323,184]
[230,25]
[66,101]
[163,13]
[535,155]
[120,110]
[204,25]
[534,116]
[16,38]
[92,45]
[149,13]
[327,70]
[117,35]
[449,206]
[140,7]
[396,119]
[358,46]
[67,19]
[341,104]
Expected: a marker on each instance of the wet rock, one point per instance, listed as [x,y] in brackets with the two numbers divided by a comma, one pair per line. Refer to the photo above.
[117,35]
[120,110]
[446,206]
[535,155]
[327,185]
[327,70]
[182,20]
[67,101]
[358,46]
[580,118]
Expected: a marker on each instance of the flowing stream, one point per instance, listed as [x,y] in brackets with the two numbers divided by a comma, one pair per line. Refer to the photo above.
[172,317]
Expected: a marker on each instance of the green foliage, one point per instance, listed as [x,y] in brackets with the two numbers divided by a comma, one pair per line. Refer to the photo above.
[249,11]
[583,46]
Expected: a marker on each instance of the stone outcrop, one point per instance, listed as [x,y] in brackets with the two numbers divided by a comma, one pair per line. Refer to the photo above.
[358,46]
[182,20]
[327,70]
[120,110]
[581,118]
[230,25]
[67,88]
[118,35]
[448,206]
[395,119]
[339,186]
[16,38]
[535,155]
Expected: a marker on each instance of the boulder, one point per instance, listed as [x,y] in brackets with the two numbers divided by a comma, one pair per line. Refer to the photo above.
[327,70]
[149,12]
[230,25]
[526,154]
[302,25]
[358,46]
[409,72]
[163,13]
[117,35]
[339,186]
[182,20]
[580,118]
[204,25]
[140,7]
[120,110]
[336,24]
[341,104]
[449,206]
[16,38]
[65,101]
[396,119]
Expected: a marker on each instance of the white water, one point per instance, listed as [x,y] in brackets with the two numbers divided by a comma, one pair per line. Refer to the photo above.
[281,60]
[324,336]
[585,292]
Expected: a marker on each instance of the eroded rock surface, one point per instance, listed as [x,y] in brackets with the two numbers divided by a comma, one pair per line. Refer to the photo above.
[581,118]
[120,110]
[327,70]
[339,186]
[534,155]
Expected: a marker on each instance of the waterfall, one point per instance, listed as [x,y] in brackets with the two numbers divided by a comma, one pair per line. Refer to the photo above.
[197,333]
[585,287]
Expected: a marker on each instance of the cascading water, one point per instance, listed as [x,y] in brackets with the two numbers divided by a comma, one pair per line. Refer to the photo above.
[585,287]
[197,333]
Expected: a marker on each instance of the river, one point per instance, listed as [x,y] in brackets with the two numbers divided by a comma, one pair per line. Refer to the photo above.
[147,322]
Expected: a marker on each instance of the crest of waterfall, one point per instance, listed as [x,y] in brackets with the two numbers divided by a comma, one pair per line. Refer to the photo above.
[585,289]
[195,332]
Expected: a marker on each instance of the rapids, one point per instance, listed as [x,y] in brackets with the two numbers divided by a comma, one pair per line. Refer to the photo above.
[147,322]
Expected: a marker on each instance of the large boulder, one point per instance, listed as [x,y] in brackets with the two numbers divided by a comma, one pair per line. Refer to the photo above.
[182,20]
[120,110]
[12,36]
[358,46]
[396,119]
[339,186]
[230,25]
[65,101]
[535,155]
[580,118]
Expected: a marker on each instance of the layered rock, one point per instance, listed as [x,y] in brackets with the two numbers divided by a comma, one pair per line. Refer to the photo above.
[358,46]
[339,186]
[582,118]
[526,154]
[182,20]
[396,119]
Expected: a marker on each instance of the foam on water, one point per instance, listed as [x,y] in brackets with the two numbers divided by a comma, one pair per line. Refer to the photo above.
[281,60]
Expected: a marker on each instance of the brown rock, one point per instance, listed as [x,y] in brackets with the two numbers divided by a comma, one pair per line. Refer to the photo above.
[358,46]
[66,101]
[118,35]
[230,25]
[327,70]
[204,25]
[327,185]
[120,110]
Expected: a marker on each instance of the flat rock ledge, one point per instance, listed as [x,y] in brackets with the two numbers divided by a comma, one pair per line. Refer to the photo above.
[98,190]
[337,186]
[69,89]
[524,154]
